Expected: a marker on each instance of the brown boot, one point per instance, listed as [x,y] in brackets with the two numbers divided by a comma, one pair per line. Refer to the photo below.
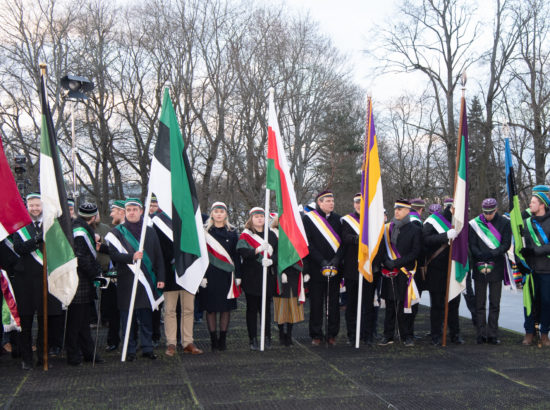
[528,339]
[544,339]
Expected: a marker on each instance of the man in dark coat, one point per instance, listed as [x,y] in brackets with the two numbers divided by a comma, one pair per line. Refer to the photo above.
[537,255]
[489,238]
[437,233]
[79,341]
[350,240]
[399,265]
[124,251]
[323,229]
[28,282]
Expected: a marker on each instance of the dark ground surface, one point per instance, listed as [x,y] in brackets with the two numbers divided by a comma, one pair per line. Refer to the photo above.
[302,376]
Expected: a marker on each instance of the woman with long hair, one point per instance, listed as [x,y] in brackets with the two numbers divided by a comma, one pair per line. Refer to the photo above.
[222,279]
[251,247]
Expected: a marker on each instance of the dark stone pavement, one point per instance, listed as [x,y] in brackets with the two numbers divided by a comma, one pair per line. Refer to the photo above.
[300,377]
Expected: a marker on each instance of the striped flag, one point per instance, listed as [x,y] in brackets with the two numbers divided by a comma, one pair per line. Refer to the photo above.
[172,182]
[10,315]
[13,214]
[293,244]
[58,233]
[516,220]
[371,221]
[460,265]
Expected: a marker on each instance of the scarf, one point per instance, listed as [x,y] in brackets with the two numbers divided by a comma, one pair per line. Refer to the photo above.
[397,225]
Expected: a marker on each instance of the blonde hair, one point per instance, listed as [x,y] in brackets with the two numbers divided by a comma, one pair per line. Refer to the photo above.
[226,223]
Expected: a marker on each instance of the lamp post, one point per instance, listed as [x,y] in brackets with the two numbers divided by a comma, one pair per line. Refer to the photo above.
[76,88]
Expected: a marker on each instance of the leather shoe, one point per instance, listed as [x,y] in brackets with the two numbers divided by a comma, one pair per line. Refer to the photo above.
[74,363]
[481,340]
[436,341]
[98,359]
[111,348]
[170,350]
[385,341]
[316,342]
[192,349]
[149,355]
[54,351]
[26,366]
[528,339]
[493,341]
[130,357]
[331,341]
[457,340]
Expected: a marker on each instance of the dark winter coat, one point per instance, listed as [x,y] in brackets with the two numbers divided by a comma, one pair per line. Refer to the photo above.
[320,251]
[436,273]
[88,267]
[28,276]
[252,269]
[481,252]
[539,262]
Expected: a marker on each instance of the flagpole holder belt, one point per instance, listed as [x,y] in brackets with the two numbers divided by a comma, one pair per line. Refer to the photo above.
[329,271]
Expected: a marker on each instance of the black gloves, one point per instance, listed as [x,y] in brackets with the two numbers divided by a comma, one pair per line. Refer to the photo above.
[38,239]
[388,263]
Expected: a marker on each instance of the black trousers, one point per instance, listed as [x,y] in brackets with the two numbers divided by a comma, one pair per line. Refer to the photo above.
[368,313]
[437,314]
[317,302]
[56,326]
[156,324]
[25,338]
[404,320]
[110,312]
[253,310]
[79,338]
[487,326]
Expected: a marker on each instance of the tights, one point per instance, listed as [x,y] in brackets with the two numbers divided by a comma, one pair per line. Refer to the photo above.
[211,321]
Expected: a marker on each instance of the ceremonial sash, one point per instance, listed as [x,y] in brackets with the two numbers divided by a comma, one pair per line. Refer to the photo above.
[164,223]
[352,221]
[154,294]
[393,254]
[26,236]
[530,221]
[83,233]
[438,221]
[234,290]
[218,255]
[414,216]
[492,237]
[254,240]
[325,229]
[10,315]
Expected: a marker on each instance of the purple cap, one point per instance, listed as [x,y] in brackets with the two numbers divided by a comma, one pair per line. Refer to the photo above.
[433,208]
[324,194]
[489,204]
[448,201]
[418,202]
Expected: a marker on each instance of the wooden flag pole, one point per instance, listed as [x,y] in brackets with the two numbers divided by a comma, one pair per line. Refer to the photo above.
[449,265]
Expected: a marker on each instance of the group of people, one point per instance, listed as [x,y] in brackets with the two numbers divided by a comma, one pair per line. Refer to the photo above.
[412,257]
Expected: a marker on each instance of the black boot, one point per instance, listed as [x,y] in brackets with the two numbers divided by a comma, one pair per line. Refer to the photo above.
[214,340]
[222,342]
[254,344]
[289,334]
[282,335]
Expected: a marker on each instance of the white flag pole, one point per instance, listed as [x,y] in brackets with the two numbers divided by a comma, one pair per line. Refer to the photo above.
[136,268]
[264,283]
[359,304]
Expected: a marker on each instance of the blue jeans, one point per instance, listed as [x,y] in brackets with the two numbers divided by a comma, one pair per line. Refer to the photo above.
[542,292]
[145,318]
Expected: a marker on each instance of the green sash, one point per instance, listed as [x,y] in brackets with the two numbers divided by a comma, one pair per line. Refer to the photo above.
[26,236]
[135,245]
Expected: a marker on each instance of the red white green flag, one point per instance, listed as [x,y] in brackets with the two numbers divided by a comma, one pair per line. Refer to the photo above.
[293,244]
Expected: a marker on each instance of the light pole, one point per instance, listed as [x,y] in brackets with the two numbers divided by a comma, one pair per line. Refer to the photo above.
[76,88]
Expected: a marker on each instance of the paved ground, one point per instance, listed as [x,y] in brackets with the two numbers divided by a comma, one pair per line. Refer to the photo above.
[302,376]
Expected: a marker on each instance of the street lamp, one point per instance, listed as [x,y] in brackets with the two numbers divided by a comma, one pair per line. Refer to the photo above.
[76,87]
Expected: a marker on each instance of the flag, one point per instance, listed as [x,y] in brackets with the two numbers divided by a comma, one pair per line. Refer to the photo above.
[10,316]
[371,221]
[58,232]
[516,220]
[293,244]
[13,214]
[172,182]
[459,264]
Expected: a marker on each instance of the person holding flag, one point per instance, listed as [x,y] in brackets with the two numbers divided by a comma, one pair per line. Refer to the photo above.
[28,243]
[124,251]
[221,283]
[437,233]
[537,254]
[402,245]
[251,247]
[489,239]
